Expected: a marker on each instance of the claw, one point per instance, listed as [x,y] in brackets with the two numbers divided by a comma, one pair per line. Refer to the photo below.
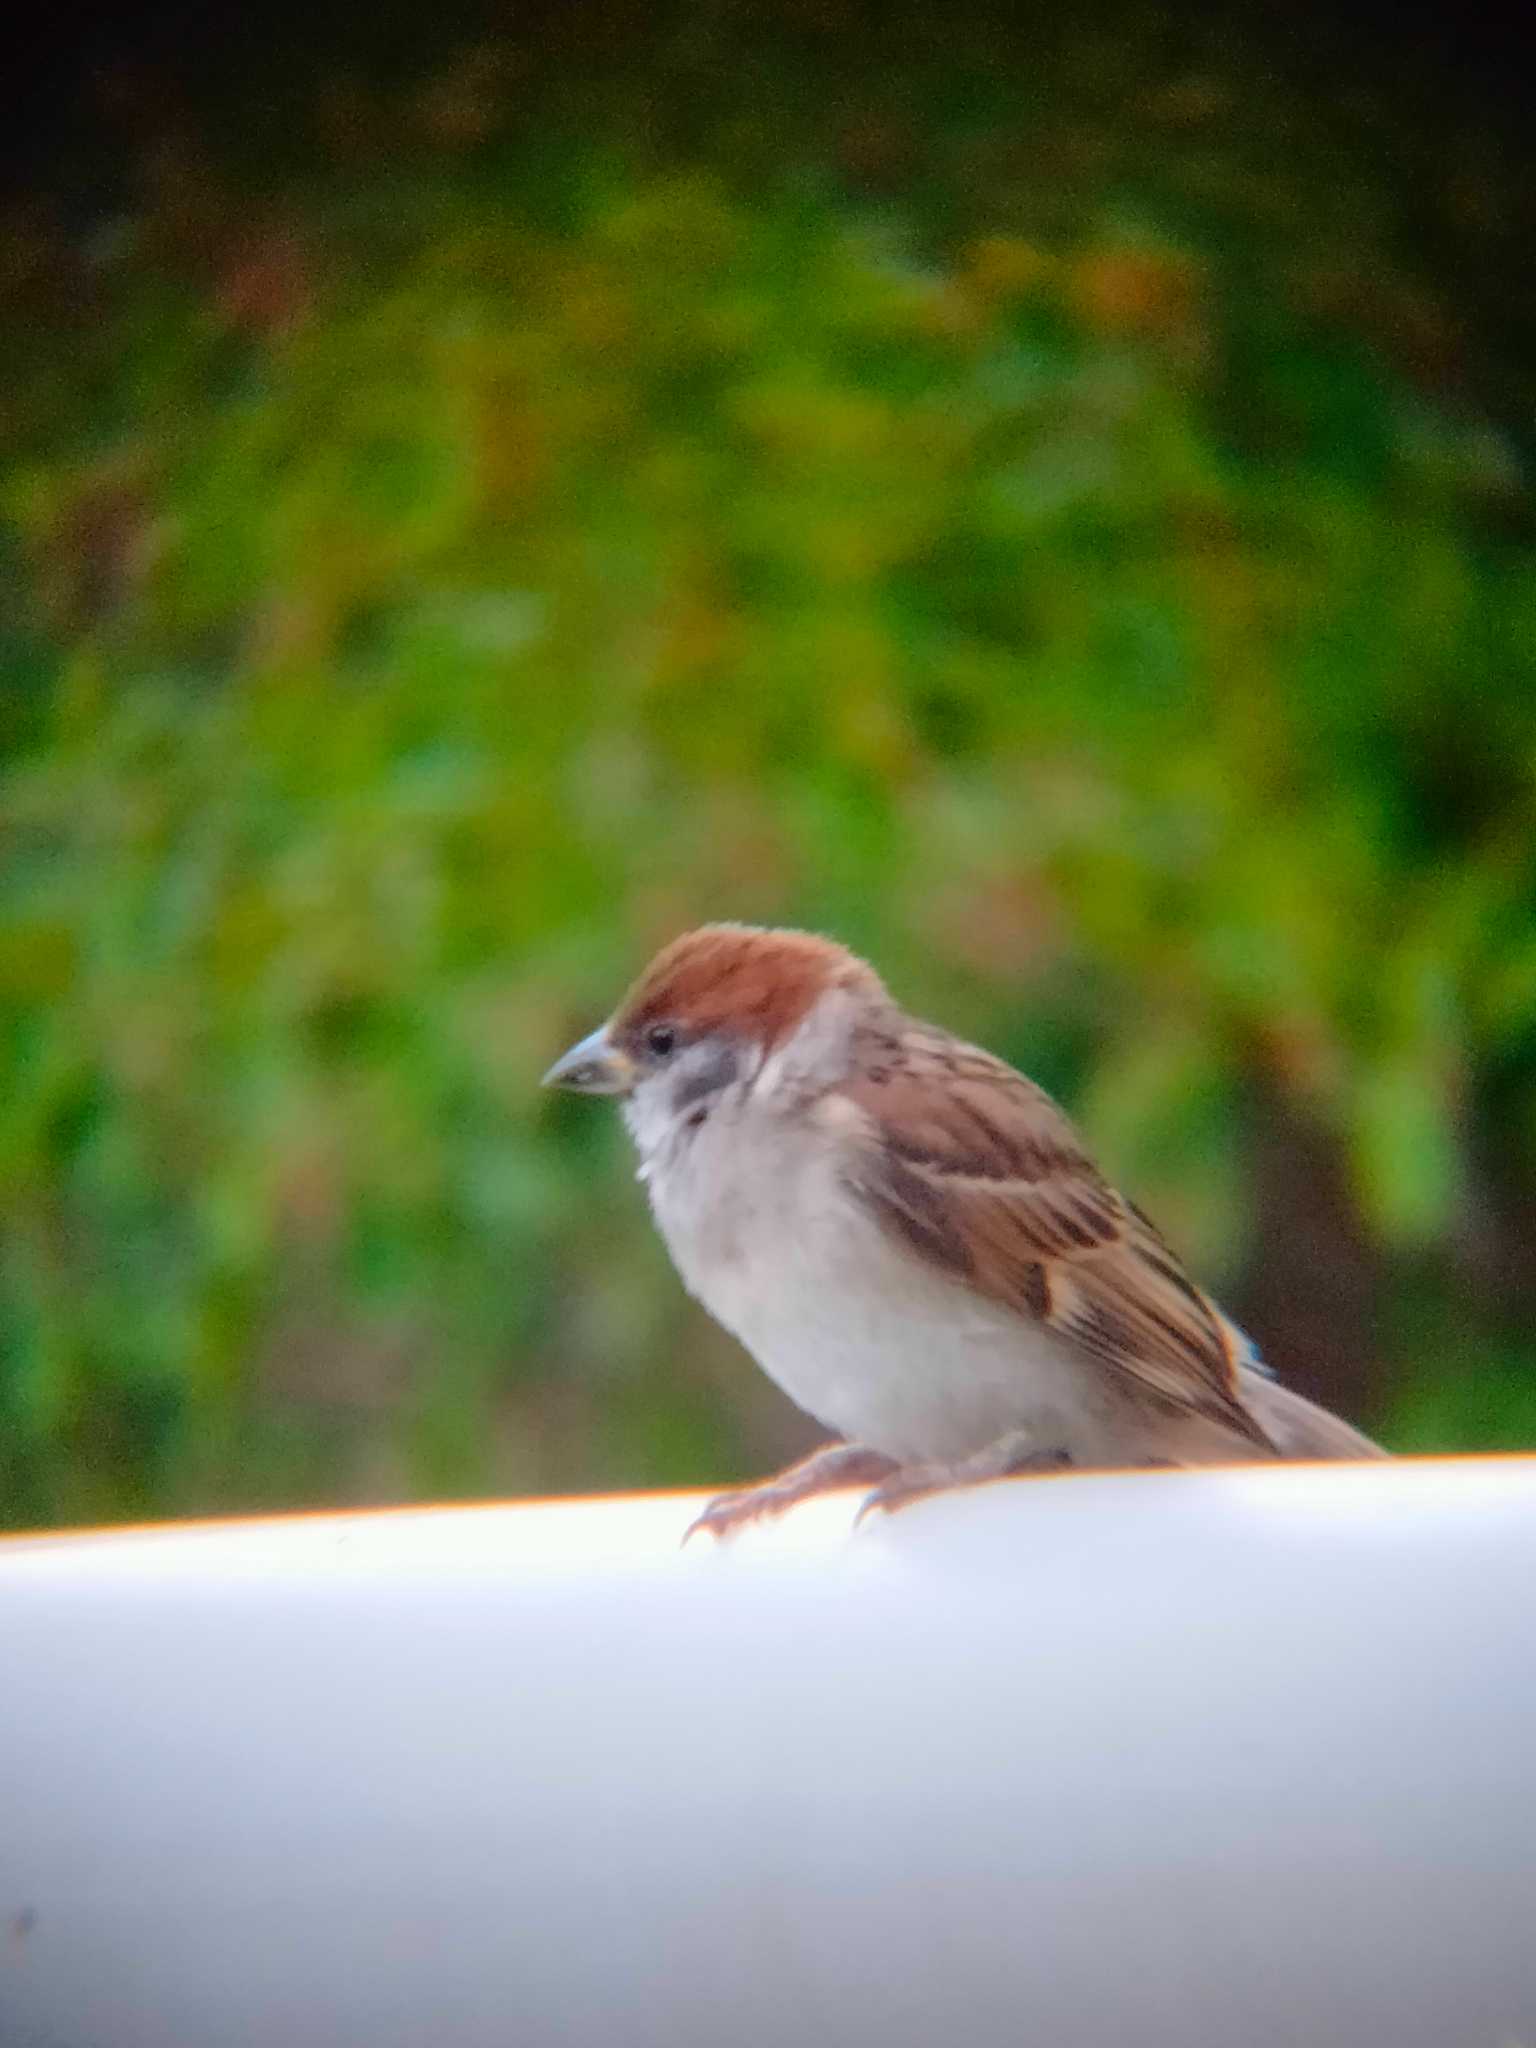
[728,1512]
[834,1466]
[912,1482]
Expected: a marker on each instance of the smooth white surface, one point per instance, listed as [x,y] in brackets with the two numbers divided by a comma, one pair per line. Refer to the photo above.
[1238,1757]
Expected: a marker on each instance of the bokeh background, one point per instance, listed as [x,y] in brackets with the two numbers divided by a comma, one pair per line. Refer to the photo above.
[1047,501]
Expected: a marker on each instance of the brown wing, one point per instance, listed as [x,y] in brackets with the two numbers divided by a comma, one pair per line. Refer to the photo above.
[978,1171]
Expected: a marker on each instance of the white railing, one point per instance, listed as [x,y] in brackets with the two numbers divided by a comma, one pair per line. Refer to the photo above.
[1227,1759]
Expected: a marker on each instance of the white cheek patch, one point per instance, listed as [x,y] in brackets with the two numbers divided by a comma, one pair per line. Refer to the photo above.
[704,1072]
[674,1100]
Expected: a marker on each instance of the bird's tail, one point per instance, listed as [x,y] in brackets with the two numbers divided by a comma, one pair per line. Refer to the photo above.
[1298,1428]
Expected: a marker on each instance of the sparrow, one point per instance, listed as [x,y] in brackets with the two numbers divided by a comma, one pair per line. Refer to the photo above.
[911,1239]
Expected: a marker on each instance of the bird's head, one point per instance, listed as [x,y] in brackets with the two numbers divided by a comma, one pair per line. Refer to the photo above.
[711,1012]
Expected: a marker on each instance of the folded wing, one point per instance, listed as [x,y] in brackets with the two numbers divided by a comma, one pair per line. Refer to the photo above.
[979,1172]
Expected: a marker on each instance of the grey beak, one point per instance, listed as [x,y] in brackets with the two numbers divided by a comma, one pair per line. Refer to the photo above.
[594,1067]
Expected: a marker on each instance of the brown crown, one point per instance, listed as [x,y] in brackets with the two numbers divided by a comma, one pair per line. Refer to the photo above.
[740,977]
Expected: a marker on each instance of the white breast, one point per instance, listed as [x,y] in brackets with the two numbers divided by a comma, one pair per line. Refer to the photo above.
[853,1327]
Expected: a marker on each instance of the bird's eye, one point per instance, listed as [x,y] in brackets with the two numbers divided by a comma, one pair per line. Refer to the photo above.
[660,1039]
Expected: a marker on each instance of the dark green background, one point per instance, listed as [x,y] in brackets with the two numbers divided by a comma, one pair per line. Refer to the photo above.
[1048,506]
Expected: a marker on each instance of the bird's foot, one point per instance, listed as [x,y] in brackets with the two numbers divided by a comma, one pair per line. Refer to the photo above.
[1010,1457]
[824,1471]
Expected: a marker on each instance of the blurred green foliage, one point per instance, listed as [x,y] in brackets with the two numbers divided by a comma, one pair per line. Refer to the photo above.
[1033,534]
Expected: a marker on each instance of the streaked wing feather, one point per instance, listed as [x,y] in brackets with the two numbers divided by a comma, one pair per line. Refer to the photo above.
[979,1172]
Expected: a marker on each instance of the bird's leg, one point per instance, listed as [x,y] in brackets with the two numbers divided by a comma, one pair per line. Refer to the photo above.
[833,1466]
[1009,1457]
